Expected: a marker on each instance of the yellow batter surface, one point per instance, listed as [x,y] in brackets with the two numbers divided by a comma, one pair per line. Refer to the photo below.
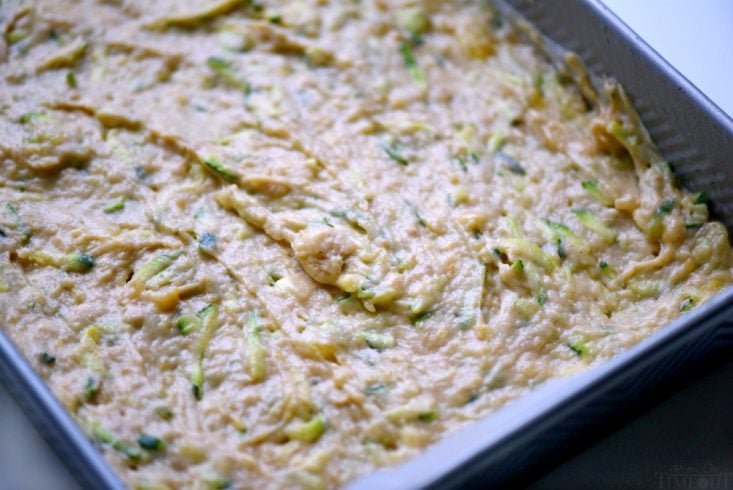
[277,244]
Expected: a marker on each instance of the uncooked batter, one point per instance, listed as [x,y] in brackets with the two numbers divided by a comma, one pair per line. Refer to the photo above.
[281,244]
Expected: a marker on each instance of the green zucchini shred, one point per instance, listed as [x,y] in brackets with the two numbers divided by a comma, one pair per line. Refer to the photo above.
[606,268]
[529,251]
[592,223]
[377,389]
[656,228]
[526,308]
[47,359]
[14,36]
[461,161]
[378,295]
[215,481]
[209,316]
[394,154]
[307,432]
[115,206]
[255,349]
[151,269]
[414,21]
[32,116]
[207,243]
[666,207]
[701,198]
[197,380]
[228,74]
[413,69]
[591,186]
[628,139]
[416,213]
[511,163]
[188,323]
[497,141]
[579,347]
[427,416]
[12,213]
[378,341]
[165,413]
[218,168]
[422,317]
[78,262]
[146,441]
[558,227]
[132,453]
[71,79]
[687,304]
[92,386]
[517,267]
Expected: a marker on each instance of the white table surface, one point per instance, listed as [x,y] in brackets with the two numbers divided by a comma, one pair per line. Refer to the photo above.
[686,440]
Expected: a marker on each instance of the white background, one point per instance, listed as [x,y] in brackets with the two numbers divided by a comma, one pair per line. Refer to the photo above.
[695,36]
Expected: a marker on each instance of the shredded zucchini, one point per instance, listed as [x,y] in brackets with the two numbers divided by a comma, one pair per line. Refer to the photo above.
[393,152]
[526,308]
[115,206]
[218,168]
[591,186]
[197,17]
[130,452]
[215,480]
[666,207]
[524,249]
[592,223]
[377,389]
[416,213]
[579,347]
[207,243]
[152,443]
[71,79]
[687,304]
[307,432]
[422,317]
[510,163]
[209,315]
[378,341]
[32,116]
[152,268]
[188,323]
[20,226]
[228,74]
[165,413]
[47,359]
[414,21]
[414,71]
[427,416]
[255,349]
[78,262]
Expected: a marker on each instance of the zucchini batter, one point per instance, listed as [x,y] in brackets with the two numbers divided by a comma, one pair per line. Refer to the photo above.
[267,244]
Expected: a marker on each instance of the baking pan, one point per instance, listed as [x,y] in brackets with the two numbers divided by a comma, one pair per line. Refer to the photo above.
[514,443]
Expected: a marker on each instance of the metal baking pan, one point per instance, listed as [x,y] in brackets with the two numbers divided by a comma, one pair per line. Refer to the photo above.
[511,445]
